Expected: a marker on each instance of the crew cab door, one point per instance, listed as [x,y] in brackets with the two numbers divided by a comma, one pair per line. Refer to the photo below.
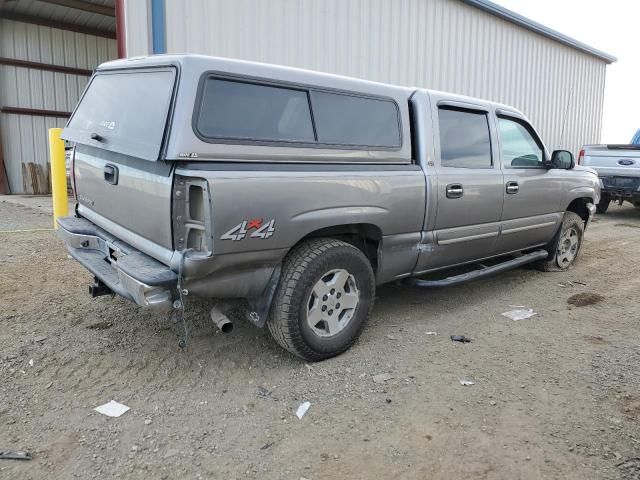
[532,193]
[469,185]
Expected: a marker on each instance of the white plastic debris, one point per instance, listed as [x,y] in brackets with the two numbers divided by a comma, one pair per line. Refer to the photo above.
[383,377]
[112,409]
[430,333]
[465,382]
[302,409]
[519,314]
[31,362]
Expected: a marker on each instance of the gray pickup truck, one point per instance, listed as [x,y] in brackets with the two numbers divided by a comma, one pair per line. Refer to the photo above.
[618,167]
[296,193]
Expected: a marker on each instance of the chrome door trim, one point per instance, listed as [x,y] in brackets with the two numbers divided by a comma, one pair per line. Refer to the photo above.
[528,227]
[467,238]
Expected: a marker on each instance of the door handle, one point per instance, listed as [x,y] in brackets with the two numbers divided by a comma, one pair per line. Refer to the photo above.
[454,190]
[512,188]
[111,174]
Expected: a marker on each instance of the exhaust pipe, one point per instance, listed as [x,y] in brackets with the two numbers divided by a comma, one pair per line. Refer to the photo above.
[221,320]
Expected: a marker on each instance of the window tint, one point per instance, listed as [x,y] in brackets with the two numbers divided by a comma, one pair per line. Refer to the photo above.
[519,148]
[350,120]
[465,141]
[129,110]
[243,110]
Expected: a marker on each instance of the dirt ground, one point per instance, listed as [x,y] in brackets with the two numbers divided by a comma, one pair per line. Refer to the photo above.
[555,396]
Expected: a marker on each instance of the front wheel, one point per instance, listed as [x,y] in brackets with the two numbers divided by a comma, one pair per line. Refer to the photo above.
[565,246]
[324,297]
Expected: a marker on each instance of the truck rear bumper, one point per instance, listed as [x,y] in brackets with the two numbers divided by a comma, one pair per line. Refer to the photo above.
[125,270]
[620,186]
[620,193]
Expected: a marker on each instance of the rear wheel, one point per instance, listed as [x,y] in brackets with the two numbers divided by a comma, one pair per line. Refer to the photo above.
[324,297]
[602,206]
[565,246]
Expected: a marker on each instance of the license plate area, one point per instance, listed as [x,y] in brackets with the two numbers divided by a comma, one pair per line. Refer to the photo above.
[622,182]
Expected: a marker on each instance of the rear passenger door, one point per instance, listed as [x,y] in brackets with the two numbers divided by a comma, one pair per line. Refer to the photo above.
[469,185]
[532,193]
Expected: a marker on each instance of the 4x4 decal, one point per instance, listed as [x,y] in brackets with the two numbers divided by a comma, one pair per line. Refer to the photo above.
[261,229]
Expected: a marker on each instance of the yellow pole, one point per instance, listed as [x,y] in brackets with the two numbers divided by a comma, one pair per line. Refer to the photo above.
[58,175]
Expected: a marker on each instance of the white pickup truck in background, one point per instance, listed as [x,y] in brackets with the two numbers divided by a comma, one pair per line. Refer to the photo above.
[618,168]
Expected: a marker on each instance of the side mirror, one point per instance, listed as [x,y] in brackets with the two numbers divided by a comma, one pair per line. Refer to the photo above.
[562,159]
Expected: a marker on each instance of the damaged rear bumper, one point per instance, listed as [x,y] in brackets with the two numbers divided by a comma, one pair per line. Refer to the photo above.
[125,270]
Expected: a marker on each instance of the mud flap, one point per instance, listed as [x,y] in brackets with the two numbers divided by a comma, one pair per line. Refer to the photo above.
[591,208]
[260,305]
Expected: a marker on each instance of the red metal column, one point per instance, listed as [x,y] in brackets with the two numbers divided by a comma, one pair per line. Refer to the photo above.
[4,181]
[121,33]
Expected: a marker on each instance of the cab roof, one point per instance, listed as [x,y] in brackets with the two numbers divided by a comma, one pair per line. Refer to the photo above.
[197,64]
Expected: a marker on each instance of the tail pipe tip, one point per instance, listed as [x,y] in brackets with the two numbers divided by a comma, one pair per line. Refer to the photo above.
[221,320]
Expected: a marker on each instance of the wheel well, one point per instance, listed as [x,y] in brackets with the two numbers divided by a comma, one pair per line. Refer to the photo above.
[579,206]
[364,236]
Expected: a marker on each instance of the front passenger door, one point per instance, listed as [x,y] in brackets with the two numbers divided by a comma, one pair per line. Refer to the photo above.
[532,193]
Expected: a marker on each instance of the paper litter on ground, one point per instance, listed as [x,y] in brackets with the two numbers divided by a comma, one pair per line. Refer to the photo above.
[302,409]
[519,314]
[465,382]
[112,409]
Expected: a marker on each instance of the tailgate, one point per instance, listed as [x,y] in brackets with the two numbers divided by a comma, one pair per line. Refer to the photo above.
[139,200]
[613,161]
[119,128]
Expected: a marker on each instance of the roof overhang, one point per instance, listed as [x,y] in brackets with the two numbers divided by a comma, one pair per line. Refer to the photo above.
[536,27]
[92,17]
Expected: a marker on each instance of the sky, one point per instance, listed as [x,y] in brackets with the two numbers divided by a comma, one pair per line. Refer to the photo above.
[610,26]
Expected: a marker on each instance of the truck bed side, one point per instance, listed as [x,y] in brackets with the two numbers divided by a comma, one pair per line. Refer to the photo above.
[385,203]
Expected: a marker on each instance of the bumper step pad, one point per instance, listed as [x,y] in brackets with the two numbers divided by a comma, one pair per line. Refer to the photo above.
[125,270]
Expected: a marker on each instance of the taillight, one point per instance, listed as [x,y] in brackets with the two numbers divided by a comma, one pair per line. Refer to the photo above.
[192,215]
[581,157]
[72,174]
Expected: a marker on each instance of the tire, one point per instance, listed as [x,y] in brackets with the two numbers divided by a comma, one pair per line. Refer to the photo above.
[566,244]
[306,317]
[603,205]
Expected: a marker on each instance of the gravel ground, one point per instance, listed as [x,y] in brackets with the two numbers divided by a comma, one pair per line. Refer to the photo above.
[555,396]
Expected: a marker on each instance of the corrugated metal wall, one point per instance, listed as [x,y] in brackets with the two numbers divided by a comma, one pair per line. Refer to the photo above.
[138,37]
[24,137]
[438,44]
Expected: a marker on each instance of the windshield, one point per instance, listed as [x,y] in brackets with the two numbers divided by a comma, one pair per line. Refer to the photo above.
[124,112]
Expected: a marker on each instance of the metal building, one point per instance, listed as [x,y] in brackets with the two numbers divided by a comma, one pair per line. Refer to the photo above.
[48,50]
[472,47]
